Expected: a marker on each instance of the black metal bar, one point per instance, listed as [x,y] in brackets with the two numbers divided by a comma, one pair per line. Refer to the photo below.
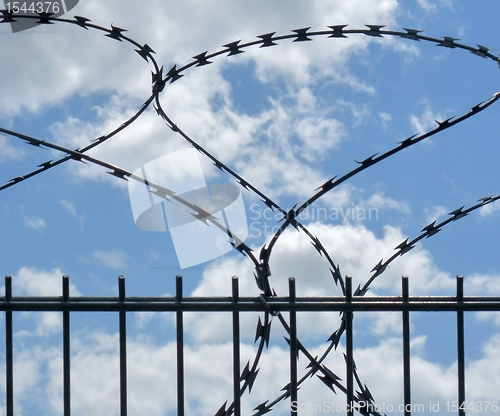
[123,348]
[9,356]
[278,304]
[66,349]
[236,304]
[349,345]
[180,347]
[293,349]
[170,301]
[236,349]
[461,347]
[406,349]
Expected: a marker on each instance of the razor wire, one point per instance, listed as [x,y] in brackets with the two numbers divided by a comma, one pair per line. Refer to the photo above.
[262,272]
[263,331]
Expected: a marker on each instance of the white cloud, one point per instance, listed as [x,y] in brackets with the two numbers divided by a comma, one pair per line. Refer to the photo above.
[7,151]
[387,323]
[489,209]
[35,282]
[385,118]
[71,208]
[47,324]
[423,123]
[432,5]
[276,150]
[426,121]
[355,248]
[427,5]
[28,367]
[116,259]
[151,369]
[359,111]
[380,201]
[434,213]
[91,63]
[487,369]
[33,222]
[239,140]
[483,285]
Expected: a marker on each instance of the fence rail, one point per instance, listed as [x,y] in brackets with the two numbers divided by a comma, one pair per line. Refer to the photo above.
[235,304]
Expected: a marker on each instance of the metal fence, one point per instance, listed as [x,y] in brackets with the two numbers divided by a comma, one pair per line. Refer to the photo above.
[292,304]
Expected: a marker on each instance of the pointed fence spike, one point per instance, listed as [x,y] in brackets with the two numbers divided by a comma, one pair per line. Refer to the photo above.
[251,379]
[374,31]
[337,31]
[44,18]
[82,21]
[411,34]
[302,34]
[448,42]
[145,51]
[222,410]
[267,40]
[202,59]
[173,74]
[234,49]
[262,408]
[116,33]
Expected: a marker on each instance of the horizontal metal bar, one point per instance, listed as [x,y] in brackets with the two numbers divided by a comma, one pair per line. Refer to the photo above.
[251,305]
[227,299]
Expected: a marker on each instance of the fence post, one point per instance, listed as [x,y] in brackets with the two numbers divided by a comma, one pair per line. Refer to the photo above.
[66,348]
[349,346]
[180,347]
[460,346]
[123,346]
[9,356]
[406,348]
[236,348]
[293,348]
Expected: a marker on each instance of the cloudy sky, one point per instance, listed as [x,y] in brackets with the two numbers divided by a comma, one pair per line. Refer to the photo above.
[287,119]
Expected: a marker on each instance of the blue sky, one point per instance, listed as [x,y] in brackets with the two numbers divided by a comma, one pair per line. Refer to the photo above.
[287,119]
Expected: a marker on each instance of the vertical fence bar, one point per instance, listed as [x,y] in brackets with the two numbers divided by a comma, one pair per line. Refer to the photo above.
[236,348]
[348,347]
[293,349]
[460,346]
[180,348]
[123,347]
[66,348]
[406,348]
[9,356]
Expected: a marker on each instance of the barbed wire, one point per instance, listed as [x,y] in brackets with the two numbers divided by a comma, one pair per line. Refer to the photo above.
[290,217]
